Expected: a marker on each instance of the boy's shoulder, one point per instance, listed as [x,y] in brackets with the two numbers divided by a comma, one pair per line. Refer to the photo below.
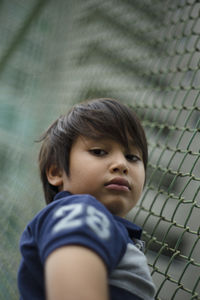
[75,205]
[82,219]
[64,202]
[69,213]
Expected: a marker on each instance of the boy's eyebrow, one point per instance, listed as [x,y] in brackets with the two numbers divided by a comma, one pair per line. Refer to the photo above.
[130,142]
[134,147]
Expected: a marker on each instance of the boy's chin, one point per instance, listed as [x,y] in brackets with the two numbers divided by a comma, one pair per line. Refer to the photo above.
[117,208]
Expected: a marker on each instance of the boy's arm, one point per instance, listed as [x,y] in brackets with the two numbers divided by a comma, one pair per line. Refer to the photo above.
[75,273]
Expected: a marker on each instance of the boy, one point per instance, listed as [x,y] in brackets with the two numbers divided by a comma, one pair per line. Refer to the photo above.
[80,247]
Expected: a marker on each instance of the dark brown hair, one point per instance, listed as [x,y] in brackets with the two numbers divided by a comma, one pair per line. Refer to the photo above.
[104,117]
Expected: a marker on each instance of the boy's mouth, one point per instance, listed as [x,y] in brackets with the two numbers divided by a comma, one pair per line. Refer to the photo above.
[119,184]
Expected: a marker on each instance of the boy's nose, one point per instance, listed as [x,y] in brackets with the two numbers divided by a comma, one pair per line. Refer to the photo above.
[119,165]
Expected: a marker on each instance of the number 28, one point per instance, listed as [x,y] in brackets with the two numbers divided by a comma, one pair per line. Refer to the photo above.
[71,217]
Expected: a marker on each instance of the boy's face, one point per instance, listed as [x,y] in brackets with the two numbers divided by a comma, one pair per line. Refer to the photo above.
[106,170]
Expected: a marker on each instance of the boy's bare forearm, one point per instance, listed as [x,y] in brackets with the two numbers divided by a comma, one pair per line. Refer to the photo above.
[75,273]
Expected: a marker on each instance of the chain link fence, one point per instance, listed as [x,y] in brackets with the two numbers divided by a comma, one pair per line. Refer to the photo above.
[144,53]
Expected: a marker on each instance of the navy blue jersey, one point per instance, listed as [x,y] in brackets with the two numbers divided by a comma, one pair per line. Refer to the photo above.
[82,220]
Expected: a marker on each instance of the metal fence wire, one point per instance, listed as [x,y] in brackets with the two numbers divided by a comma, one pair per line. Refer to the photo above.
[144,53]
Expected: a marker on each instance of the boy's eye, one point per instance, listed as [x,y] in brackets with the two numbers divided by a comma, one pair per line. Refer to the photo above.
[98,152]
[132,157]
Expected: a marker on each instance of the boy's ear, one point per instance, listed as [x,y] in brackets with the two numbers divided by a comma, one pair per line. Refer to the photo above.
[55,176]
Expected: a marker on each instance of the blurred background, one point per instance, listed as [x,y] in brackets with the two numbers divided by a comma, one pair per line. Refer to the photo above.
[144,53]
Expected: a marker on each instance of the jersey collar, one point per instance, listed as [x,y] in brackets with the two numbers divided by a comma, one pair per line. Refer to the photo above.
[134,230]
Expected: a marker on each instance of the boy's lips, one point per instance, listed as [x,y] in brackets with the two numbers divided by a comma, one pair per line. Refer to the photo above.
[118,183]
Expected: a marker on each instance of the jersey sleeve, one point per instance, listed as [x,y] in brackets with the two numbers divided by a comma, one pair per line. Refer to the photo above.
[80,220]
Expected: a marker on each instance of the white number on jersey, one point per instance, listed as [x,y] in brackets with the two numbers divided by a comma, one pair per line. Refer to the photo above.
[71,217]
